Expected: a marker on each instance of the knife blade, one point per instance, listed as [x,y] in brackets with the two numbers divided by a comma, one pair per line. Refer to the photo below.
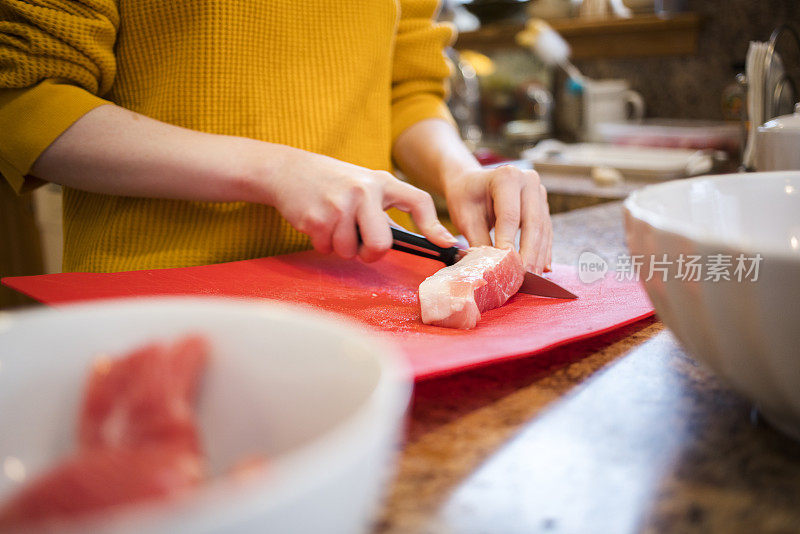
[532,283]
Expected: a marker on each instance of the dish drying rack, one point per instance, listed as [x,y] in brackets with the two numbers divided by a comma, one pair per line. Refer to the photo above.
[773,96]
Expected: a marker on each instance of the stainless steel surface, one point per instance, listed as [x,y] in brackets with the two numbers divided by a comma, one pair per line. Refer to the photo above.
[778,88]
[781,83]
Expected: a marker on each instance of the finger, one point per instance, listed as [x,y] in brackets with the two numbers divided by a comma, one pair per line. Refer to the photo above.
[321,242]
[420,205]
[319,230]
[532,227]
[506,197]
[548,252]
[345,237]
[376,237]
[549,260]
[471,220]
[545,244]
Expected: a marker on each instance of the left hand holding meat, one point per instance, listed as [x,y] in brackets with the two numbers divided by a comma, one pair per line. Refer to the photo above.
[432,155]
[508,199]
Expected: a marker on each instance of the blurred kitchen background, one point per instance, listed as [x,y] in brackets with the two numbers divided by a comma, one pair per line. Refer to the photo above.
[645,75]
[605,96]
[682,56]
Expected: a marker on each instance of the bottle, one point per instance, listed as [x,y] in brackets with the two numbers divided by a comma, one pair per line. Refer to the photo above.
[549,46]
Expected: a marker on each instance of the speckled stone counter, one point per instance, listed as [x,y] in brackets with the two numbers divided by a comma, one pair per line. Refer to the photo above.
[597,229]
[620,433]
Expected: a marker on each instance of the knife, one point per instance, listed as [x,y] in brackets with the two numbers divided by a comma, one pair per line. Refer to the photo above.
[532,284]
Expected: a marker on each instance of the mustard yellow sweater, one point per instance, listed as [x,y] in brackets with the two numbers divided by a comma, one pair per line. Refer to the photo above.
[341,78]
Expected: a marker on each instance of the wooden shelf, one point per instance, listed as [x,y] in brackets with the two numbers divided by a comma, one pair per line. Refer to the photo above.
[642,35]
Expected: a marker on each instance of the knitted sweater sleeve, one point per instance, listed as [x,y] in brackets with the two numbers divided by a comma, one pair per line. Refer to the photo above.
[420,69]
[56,57]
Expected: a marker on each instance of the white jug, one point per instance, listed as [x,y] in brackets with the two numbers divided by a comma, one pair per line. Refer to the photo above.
[608,101]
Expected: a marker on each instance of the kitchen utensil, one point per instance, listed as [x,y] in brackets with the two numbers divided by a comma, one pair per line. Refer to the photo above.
[635,163]
[780,89]
[549,46]
[777,145]
[619,9]
[464,101]
[533,284]
[381,295]
[321,400]
[593,9]
[770,90]
[737,309]
[755,75]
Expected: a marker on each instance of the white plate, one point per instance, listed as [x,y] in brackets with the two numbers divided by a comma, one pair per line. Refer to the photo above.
[638,163]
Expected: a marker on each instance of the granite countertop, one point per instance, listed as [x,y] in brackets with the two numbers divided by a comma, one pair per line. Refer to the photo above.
[619,433]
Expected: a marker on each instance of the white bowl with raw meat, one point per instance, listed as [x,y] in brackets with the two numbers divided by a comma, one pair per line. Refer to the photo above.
[320,399]
[737,308]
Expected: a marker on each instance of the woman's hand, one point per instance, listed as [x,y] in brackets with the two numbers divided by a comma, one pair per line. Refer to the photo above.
[507,199]
[332,202]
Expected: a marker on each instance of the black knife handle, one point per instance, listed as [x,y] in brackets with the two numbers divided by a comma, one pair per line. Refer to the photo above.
[406,241]
[411,243]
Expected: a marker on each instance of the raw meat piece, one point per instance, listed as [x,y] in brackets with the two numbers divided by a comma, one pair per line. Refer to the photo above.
[138,437]
[145,398]
[99,479]
[138,441]
[484,279]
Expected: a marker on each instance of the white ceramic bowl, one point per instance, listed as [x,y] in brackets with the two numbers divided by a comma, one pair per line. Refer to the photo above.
[748,331]
[323,400]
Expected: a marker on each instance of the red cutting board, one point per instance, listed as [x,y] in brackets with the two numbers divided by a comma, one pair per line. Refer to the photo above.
[382,295]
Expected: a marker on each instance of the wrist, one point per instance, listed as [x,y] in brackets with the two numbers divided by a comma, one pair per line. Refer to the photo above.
[453,172]
[253,178]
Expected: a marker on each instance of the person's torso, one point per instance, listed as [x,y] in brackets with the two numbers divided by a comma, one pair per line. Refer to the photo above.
[314,75]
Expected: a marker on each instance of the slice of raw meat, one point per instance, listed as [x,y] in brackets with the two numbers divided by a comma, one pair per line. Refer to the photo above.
[484,279]
[98,479]
[145,398]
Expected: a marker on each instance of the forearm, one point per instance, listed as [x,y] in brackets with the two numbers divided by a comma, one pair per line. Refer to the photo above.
[431,153]
[112,150]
